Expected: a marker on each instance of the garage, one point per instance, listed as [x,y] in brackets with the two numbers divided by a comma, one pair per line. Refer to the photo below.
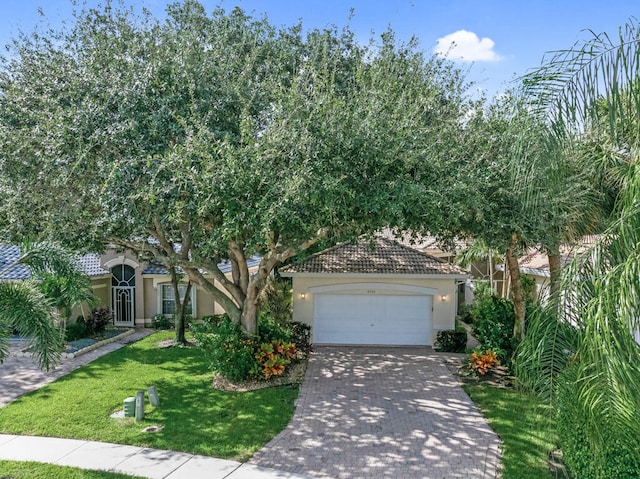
[374,292]
[372,319]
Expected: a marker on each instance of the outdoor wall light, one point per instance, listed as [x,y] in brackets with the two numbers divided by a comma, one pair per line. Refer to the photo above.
[302,295]
[443,297]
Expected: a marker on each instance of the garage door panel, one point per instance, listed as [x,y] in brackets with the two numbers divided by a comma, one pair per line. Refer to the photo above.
[372,319]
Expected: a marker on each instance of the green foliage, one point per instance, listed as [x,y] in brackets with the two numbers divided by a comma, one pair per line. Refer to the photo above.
[160,321]
[277,300]
[493,322]
[75,331]
[68,291]
[98,320]
[271,330]
[230,352]
[249,137]
[529,288]
[25,307]
[214,319]
[301,336]
[237,358]
[615,455]
[451,341]
[548,348]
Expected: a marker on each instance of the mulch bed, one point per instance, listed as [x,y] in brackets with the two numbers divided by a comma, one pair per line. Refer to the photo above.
[294,375]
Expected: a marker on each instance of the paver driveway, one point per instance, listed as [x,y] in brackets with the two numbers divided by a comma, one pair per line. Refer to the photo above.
[381,413]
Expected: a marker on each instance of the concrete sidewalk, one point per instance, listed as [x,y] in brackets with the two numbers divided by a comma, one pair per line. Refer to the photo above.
[137,461]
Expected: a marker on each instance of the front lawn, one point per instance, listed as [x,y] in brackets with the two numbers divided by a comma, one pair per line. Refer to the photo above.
[36,470]
[524,426]
[196,418]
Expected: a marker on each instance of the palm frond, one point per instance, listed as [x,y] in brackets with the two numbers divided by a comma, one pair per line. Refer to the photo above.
[545,353]
[595,81]
[24,307]
[605,302]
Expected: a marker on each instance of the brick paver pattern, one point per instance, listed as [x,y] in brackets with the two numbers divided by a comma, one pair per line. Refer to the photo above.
[383,413]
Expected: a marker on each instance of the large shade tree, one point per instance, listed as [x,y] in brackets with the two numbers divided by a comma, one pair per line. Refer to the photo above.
[208,137]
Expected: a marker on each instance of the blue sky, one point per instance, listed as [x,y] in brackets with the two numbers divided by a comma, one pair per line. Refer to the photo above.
[504,38]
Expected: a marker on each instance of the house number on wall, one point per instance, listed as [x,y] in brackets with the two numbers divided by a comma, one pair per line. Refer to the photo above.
[371,291]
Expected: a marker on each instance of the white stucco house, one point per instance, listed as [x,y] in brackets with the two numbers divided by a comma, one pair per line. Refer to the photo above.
[376,292]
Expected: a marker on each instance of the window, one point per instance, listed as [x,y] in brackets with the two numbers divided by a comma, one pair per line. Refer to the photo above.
[167,298]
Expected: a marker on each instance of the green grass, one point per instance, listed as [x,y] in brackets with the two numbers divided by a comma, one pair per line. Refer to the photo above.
[524,426]
[196,418]
[36,470]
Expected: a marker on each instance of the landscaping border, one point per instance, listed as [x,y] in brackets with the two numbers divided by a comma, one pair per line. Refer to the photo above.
[88,349]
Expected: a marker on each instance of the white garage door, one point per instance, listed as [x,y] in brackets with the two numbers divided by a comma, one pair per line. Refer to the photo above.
[372,319]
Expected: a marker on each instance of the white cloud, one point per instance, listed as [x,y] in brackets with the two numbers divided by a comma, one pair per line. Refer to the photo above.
[466,46]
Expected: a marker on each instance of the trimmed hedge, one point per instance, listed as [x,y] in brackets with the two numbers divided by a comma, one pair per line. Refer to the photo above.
[451,341]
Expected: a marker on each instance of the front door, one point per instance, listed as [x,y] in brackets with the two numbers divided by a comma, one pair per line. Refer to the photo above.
[123,292]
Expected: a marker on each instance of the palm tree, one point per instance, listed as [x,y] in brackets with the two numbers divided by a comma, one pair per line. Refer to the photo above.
[590,96]
[479,251]
[25,307]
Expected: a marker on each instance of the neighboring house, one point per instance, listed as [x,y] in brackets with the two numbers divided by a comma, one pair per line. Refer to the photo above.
[535,265]
[135,291]
[377,292]
[430,245]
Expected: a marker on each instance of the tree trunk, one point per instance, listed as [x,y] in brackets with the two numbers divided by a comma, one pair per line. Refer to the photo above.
[555,272]
[249,318]
[517,293]
[181,312]
[491,286]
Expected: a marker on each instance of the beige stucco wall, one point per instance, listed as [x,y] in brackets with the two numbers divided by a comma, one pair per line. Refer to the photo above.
[444,310]
[205,305]
[146,292]
[101,289]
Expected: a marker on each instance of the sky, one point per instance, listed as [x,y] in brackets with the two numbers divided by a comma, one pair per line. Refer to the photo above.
[495,41]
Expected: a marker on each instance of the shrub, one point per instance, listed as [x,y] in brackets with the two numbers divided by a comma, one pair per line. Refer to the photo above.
[493,323]
[98,320]
[270,330]
[75,331]
[215,319]
[301,336]
[230,352]
[160,321]
[451,341]
[615,457]
[481,362]
[273,358]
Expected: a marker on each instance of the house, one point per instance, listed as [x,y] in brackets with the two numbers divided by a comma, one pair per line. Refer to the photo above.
[377,292]
[534,264]
[432,246]
[134,290]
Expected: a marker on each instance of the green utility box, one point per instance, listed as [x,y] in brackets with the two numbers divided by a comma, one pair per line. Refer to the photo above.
[130,407]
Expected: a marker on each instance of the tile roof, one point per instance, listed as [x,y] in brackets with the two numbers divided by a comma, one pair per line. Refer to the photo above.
[380,256]
[89,263]
[536,262]
[420,242]
[9,254]
[225,266]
